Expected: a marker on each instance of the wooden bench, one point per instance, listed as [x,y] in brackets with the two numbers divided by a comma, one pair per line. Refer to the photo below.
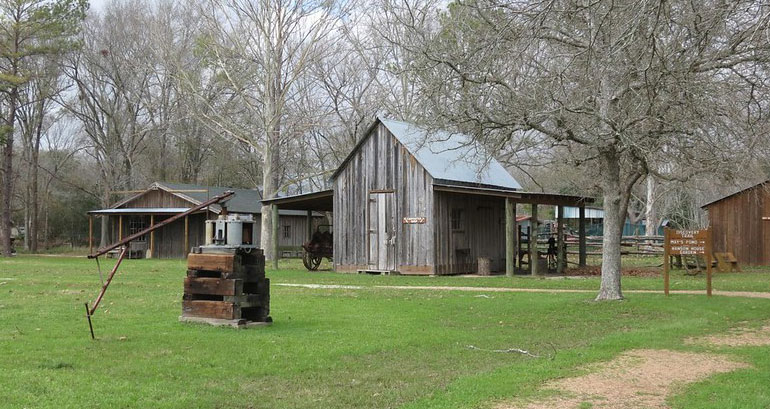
[727,262]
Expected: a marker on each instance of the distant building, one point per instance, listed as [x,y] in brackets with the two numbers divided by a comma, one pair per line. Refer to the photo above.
[740,224]
[162,200]
[595,222]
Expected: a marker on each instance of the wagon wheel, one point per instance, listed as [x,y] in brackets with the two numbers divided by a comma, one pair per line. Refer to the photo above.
[311,262]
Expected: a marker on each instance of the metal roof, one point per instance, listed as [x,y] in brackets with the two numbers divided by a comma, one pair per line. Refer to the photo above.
[245,201]
[453,157]
[449,158]
[141,210]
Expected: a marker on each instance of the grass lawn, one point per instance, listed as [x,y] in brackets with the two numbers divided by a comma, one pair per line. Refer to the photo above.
[347,348]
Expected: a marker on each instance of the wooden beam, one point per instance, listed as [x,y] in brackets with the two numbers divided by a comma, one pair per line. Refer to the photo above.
[309,225]
[274,211]
[186,235]
[152,237]
[510,240]
[533,256]
[90,234]
[582,237]
[120,227]
[561,255]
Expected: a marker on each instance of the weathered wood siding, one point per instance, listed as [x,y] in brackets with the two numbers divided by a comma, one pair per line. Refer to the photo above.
[169,240]
[481,232]
[157,198]
[382,163]
[738,226]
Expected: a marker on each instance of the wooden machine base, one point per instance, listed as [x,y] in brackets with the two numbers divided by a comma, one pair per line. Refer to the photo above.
[217,322]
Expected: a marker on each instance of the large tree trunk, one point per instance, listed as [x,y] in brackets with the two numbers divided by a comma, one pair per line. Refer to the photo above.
[616,193]
[5,220]
[614,217]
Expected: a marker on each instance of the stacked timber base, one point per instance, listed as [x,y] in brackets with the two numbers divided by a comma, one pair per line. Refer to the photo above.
[226,286]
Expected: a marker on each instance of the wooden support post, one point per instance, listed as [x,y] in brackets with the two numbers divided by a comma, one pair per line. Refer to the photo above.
[510,233]
[120,227]
[666,260]
[90,234]
[533,256]
[274,211]
[152,237]
[561,252]
[582,237]
[708,256]
[186,235]
[309,225]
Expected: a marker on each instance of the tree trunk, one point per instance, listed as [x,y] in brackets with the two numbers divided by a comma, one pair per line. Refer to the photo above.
[613,231]
[5,220]
[651,228]
[615,196]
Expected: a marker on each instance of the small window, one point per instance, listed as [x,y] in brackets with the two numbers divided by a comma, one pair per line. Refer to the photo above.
[286,232]
[135,226]
[457,221]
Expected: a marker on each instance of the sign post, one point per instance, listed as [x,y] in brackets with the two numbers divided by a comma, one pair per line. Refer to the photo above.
[683,243]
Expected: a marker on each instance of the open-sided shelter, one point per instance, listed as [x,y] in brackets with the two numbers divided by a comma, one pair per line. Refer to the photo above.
[415,201]
[162,200]
[740,224]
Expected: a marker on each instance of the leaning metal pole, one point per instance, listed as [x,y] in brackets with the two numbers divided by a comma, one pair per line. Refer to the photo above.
[124,244]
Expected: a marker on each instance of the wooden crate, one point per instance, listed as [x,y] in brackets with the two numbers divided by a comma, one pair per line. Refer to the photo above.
[226,289]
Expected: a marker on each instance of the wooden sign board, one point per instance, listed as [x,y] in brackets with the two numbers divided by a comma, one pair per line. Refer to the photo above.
[413,220]
[686,243]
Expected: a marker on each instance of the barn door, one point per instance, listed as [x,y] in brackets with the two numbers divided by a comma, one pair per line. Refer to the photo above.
[381,231]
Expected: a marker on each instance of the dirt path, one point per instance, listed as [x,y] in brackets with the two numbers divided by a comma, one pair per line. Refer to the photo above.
[738,337]
[746,294]
[635,379]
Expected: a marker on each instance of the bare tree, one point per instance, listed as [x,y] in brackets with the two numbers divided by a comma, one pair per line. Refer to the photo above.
[628,88]
[28,29]
[261,52]
[113,77]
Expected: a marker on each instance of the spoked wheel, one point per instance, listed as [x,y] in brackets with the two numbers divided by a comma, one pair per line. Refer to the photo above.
[311,262]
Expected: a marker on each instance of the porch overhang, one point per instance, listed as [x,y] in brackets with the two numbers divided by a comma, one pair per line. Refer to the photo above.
[322,201]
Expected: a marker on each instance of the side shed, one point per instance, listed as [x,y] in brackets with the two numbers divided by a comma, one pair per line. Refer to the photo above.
[740,224]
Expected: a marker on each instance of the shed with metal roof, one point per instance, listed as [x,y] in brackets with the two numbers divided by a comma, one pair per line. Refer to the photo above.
[414,200]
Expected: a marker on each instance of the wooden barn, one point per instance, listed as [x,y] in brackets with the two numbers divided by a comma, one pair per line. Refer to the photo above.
[415,201]
[162,200]
[740,224]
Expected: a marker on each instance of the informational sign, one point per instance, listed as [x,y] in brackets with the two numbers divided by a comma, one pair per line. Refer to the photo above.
[414,220]
[686,243]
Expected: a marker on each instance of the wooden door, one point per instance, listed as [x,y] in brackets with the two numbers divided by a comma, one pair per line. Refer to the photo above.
[381,231]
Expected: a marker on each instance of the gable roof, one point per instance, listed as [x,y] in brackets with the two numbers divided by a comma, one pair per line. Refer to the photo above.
[760,184]
[448,157]
[246,201]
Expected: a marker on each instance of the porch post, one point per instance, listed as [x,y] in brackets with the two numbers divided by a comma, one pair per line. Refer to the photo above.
[90,234]
[309,225]
[510,237]
[152,237]
[582,237]
[274,211]
[186,236]
[533,256]
[120,227]
[561,253]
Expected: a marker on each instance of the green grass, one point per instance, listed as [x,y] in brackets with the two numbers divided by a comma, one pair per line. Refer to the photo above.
[332,348]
